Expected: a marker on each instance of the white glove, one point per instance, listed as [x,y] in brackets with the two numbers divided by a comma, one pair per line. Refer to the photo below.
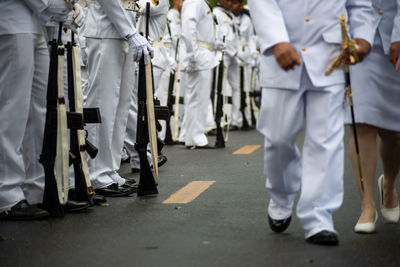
[78,15]
[173,66]
[230,51]
[68,22]
[242,57]
[192,64]
[140,47]
[219,46]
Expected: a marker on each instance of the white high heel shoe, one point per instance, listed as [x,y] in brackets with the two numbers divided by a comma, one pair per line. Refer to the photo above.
[366,228]
[392,215]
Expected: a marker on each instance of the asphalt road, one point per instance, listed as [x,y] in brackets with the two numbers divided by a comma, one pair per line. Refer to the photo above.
[226,225]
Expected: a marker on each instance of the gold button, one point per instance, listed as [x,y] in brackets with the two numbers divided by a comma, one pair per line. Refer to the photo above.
[380,11]
[303,48]
[307,19]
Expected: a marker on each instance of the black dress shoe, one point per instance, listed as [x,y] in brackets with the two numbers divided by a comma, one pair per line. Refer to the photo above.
[233,128]
[114,190]
[131,184]
[125,160]
[161,160]
[212,132]
[24,211]
[326,238]
[76,206]
[278,226]
[99,200]
[200,147]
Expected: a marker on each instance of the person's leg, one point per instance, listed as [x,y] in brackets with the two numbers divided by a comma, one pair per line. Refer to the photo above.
[389,149]
[16,76]
[234,81]
[121,116]
[33,138]
[366,135]
[322,159]
[199,86]
[105,69]
[281,120]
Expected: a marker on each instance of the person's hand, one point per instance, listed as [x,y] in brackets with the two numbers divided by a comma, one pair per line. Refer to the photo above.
[286,56]
[173,66]
[219,46]
[140,47]
[78,15]
[192,64]
[363,48]
[75,18]
[394,55]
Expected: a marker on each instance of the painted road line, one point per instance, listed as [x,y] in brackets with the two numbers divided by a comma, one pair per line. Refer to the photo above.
[189,192]
[246,150]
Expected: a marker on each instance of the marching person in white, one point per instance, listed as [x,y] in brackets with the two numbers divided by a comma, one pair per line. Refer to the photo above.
[376,97]
[198,34]
[226,29]
[245,49]
[175,25]
[298,41]
[23,83]
[113,44]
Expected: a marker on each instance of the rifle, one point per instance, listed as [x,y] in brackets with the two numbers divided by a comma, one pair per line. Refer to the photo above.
[55,141]
[78,142]
[253,107]
[220,142]
[146,129]
[168,135]
[243,103]
[178,98]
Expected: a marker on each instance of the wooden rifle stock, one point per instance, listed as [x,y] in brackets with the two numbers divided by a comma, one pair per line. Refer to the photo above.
[78,143]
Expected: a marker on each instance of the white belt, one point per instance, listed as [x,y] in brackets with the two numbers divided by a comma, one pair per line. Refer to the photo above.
[205,45]
[157,43]
[126,4]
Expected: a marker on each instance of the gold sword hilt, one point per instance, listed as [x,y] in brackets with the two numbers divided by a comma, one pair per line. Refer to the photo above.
[347,44]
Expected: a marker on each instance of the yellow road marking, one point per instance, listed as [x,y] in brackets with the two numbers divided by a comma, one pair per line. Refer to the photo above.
[189,192]
[246,150]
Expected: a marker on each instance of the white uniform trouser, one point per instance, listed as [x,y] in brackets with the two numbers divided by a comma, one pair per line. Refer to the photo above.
[161,82]
[111,77]
[24,69]
[234,82]
[317,173]
[183,108]
[199,89]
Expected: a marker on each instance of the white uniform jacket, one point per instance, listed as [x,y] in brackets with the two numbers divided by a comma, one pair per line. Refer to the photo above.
[107,19]
[198,25]
[174,21]
[245,32]
[157,28]
[388,17]
[23,22]
[313,28]
[225,28]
